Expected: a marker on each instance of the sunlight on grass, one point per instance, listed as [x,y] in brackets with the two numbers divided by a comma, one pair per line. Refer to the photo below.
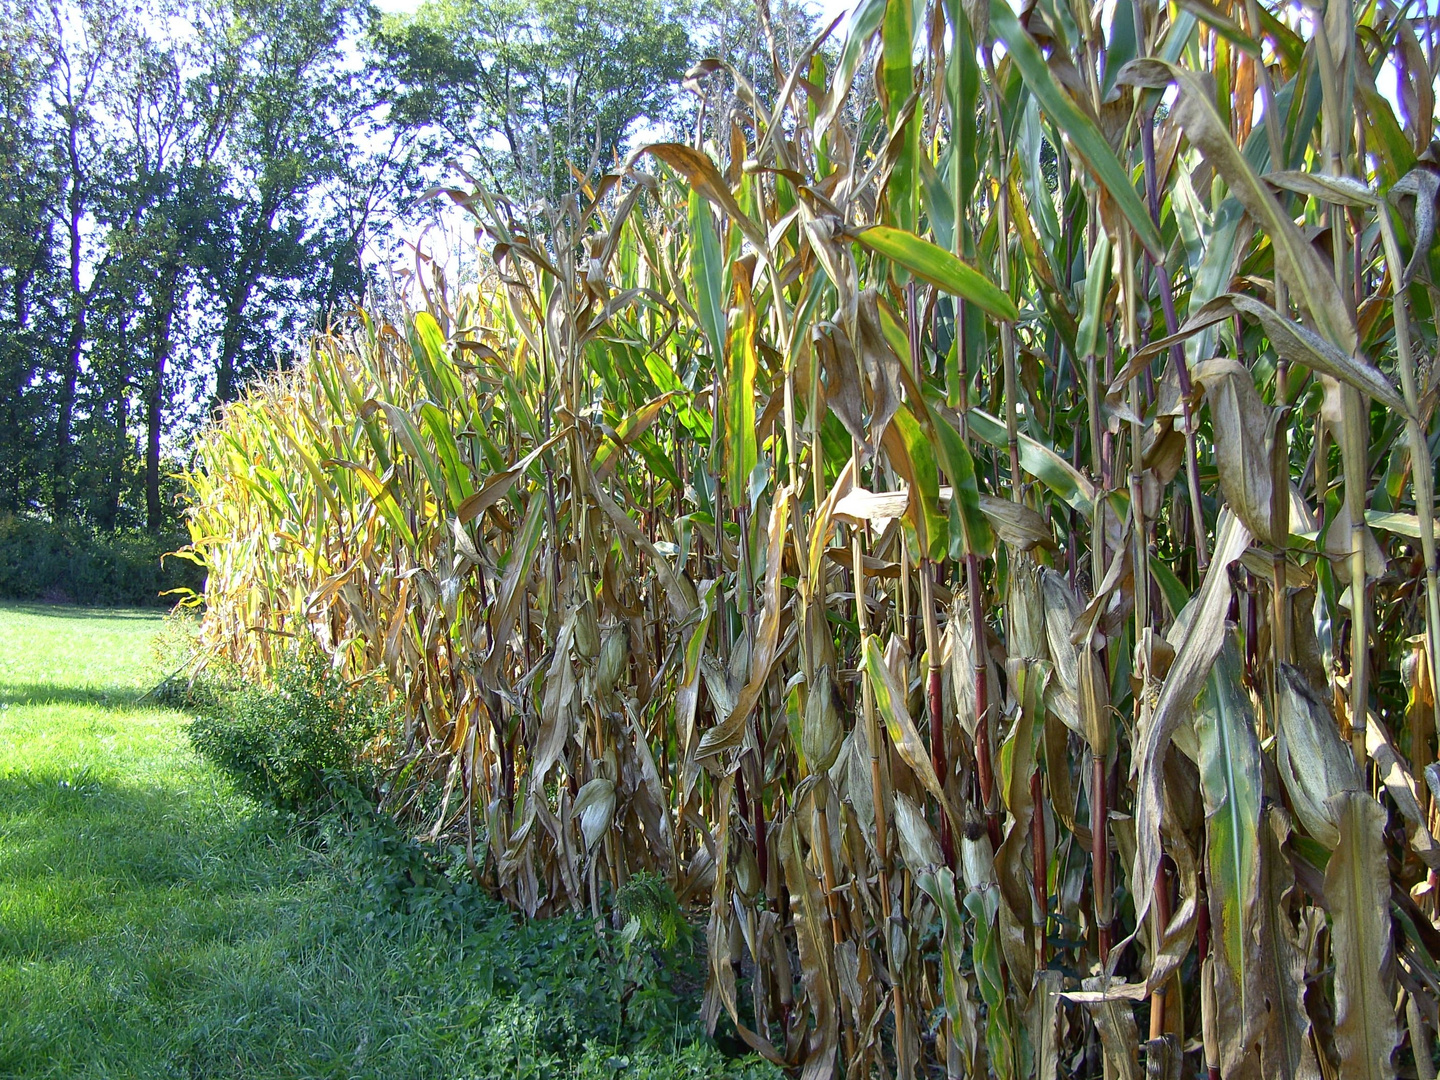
[155,924]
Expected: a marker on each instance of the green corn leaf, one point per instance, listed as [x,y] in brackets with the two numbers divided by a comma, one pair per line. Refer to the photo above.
[913,456]
[1097,277]
[970,530]
[938,267]
[1231,783]
[707,270]
[1357,885]
[383,498]
[740,448]
[939,885]
[1038,460]
[409,436]
[1171,588]
[437,371]
[457,477]
[983,906]
[890,703]
[897,46]
[1086,138]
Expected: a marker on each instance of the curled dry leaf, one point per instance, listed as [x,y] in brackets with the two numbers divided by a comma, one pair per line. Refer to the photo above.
[1314,764]
[1357,887]
[595,807]
[1015,523]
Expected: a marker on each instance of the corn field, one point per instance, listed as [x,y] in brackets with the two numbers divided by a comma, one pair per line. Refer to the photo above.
[967,523]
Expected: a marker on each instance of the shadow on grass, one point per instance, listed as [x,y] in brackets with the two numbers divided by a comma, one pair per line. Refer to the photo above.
[81,611]
[94,697]
[88,860]
[154,933]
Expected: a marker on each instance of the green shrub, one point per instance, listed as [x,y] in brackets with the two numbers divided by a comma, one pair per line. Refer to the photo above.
[73,563]
[289,744]
[647,906]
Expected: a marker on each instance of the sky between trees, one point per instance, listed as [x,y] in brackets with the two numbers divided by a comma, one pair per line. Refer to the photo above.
[189,188]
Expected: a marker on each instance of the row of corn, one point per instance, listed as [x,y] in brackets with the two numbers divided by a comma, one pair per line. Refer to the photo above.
[971,533]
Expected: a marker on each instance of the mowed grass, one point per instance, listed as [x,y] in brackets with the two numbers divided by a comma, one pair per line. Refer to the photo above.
[153,923]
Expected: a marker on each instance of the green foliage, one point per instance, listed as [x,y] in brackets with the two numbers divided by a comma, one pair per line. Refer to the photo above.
[74,563]
[289,744]
[528,88]
[177,209]
[646,903]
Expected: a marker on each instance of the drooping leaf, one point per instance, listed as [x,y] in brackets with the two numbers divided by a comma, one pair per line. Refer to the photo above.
[939,267]
[1230,779]
[1300,345]
[1087,139]
[1196,647]
[595,807]
[913,456]
[1314,764]
[1311,282]
[1357,886]
[705,178]
[1240,422]
[1038,460]
[731,730]
[890,703]
[707,271]
[741,368]
[496,487]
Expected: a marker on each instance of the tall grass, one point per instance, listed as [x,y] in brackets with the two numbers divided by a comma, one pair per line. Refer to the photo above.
[980,543]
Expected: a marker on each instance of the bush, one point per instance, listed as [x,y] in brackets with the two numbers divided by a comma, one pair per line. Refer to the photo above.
[73,563]
[290,744]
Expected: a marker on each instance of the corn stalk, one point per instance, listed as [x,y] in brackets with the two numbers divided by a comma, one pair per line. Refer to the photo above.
[844,521]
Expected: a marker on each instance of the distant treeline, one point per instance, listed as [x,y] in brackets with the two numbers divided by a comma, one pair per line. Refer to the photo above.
[188,189]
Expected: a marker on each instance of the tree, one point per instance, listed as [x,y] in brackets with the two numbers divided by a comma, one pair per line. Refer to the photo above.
[27,201]
[295,102]
[524,90]
[82,46]
[175,120]
[176,209]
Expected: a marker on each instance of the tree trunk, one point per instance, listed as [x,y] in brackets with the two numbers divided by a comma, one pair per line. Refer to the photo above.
[256,249]
[120,442]
[155,402]
[74,346]
[17,362]
[225,388]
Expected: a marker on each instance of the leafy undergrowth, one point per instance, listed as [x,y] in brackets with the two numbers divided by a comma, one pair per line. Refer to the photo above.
[155,923]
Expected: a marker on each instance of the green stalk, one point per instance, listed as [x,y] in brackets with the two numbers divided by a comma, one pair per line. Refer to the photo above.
[1280,522]
[877,786]
[1355,407]
[1007,330]
[1422,475]
[927,615]
[984,767]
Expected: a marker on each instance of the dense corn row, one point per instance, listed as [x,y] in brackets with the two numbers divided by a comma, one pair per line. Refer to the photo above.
[980,544]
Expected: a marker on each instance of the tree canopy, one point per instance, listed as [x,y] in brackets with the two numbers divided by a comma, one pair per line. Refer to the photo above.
[190,188]
[527,89]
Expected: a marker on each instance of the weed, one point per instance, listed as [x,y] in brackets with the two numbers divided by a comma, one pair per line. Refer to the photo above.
[286,744]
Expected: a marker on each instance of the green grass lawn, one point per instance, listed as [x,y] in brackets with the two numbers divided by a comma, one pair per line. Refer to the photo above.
[153,923]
